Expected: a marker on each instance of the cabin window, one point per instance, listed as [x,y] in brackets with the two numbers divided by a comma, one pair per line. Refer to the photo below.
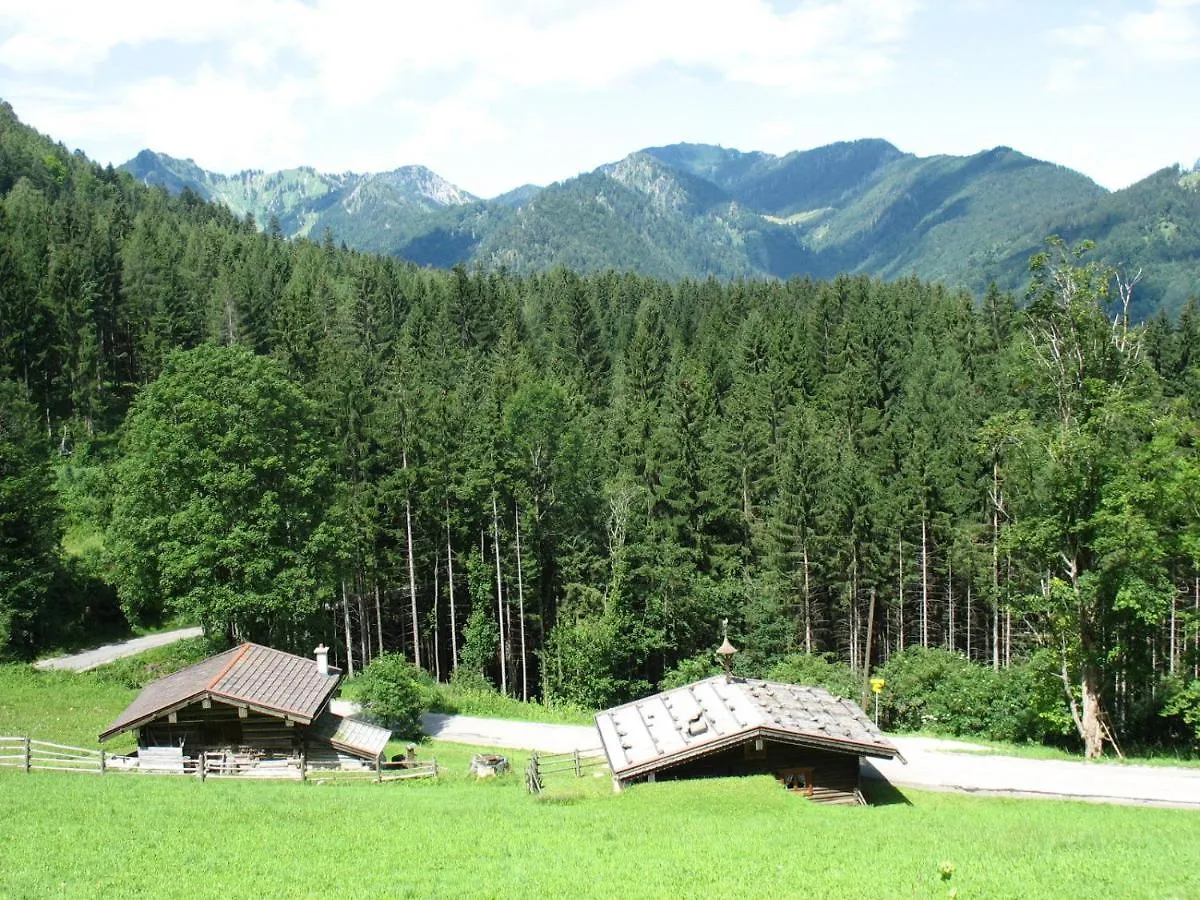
[798,780]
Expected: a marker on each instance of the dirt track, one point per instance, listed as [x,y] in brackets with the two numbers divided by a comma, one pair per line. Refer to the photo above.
[89,659]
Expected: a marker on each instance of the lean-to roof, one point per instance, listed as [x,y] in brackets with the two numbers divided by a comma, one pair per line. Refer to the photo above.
[260,678]
[351,735]
[709,715]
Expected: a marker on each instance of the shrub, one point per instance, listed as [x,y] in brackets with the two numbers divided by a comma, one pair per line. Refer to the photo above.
[389,690]
[936,690]
[695,668]
[1181,707]
[586,664]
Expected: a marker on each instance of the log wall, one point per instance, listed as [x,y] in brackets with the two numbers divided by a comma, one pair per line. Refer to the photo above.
[834,777]
[200,730]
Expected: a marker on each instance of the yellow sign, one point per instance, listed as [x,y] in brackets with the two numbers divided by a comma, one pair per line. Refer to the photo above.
[877,685]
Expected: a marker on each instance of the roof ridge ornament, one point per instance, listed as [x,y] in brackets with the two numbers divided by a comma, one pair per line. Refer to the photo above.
[726,651]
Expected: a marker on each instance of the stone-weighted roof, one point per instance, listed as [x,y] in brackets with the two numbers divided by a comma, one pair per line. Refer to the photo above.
[715,713]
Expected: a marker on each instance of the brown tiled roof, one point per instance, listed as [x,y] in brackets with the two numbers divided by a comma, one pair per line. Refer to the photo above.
[709,715]
[270,681]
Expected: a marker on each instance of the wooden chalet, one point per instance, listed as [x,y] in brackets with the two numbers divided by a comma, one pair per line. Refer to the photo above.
[810,740]
[249,705]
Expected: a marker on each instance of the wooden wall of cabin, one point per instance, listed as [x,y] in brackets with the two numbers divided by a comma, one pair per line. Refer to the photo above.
[834,776]
[199,730]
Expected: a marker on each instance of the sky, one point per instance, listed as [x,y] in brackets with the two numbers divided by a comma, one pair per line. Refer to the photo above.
[492,95]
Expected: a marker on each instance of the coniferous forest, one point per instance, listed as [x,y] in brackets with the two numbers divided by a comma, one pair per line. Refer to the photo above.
[565,483]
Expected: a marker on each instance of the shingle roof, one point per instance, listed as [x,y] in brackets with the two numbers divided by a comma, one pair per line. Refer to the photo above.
[267,680]
[709,715]
[351,735]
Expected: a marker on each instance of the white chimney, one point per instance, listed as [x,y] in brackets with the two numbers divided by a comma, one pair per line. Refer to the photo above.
[322,660]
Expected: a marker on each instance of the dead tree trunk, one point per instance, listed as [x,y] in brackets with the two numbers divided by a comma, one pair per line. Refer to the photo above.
[866,686]
[499,597]
[412,572]
[900,592]
[378,619]
[808,631]
[950,602]
[996,502]
[450,585]
[349,639]
[924,585]
[521,611]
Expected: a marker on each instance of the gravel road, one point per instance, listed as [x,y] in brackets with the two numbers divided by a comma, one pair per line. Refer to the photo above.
[81,662]
[939,765]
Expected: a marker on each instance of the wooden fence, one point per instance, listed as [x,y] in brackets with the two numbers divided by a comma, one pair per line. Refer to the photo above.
[576,762]
[34,755]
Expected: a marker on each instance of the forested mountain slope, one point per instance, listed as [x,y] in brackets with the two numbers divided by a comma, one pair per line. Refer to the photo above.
[563,482]
[695,210]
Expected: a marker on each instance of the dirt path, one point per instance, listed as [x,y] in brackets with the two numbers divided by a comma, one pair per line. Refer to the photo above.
[932,764]
[90,659]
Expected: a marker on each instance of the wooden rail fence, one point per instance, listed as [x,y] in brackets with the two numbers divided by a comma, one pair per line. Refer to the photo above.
[33,756]
[576,762]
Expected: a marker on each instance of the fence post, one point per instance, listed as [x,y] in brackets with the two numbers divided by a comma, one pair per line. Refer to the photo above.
[379,768]
[303,766]
[578,773]
[202,760]
[28,761]
[103,768]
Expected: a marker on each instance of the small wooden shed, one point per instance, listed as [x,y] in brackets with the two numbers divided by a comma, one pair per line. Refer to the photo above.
[251,700]
[810,740]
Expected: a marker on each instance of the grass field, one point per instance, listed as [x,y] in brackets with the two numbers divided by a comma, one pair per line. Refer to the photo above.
[83,835]
[131,836]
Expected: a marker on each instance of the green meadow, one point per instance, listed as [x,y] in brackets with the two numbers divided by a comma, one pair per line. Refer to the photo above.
[83,835]
[143,836]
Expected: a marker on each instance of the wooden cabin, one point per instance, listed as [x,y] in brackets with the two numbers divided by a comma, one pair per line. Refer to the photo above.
[810,740]
[249,704]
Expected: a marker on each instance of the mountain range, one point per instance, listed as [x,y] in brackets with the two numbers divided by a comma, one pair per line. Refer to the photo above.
[697,210]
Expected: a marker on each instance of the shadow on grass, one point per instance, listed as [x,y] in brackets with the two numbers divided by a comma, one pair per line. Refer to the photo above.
[881,792]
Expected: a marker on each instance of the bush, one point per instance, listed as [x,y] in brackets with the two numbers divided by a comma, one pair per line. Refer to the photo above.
[1181,708]
[935,690]
[389,690]
[695,668]
[586,664]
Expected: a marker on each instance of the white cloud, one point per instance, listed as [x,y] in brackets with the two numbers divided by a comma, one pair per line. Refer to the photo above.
[360,48]
[275,82]
[1166,31]
[1170,32]
[77,36]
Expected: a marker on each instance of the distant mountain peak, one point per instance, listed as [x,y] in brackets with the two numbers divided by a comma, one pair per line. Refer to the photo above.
[668,188]
[695,210]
